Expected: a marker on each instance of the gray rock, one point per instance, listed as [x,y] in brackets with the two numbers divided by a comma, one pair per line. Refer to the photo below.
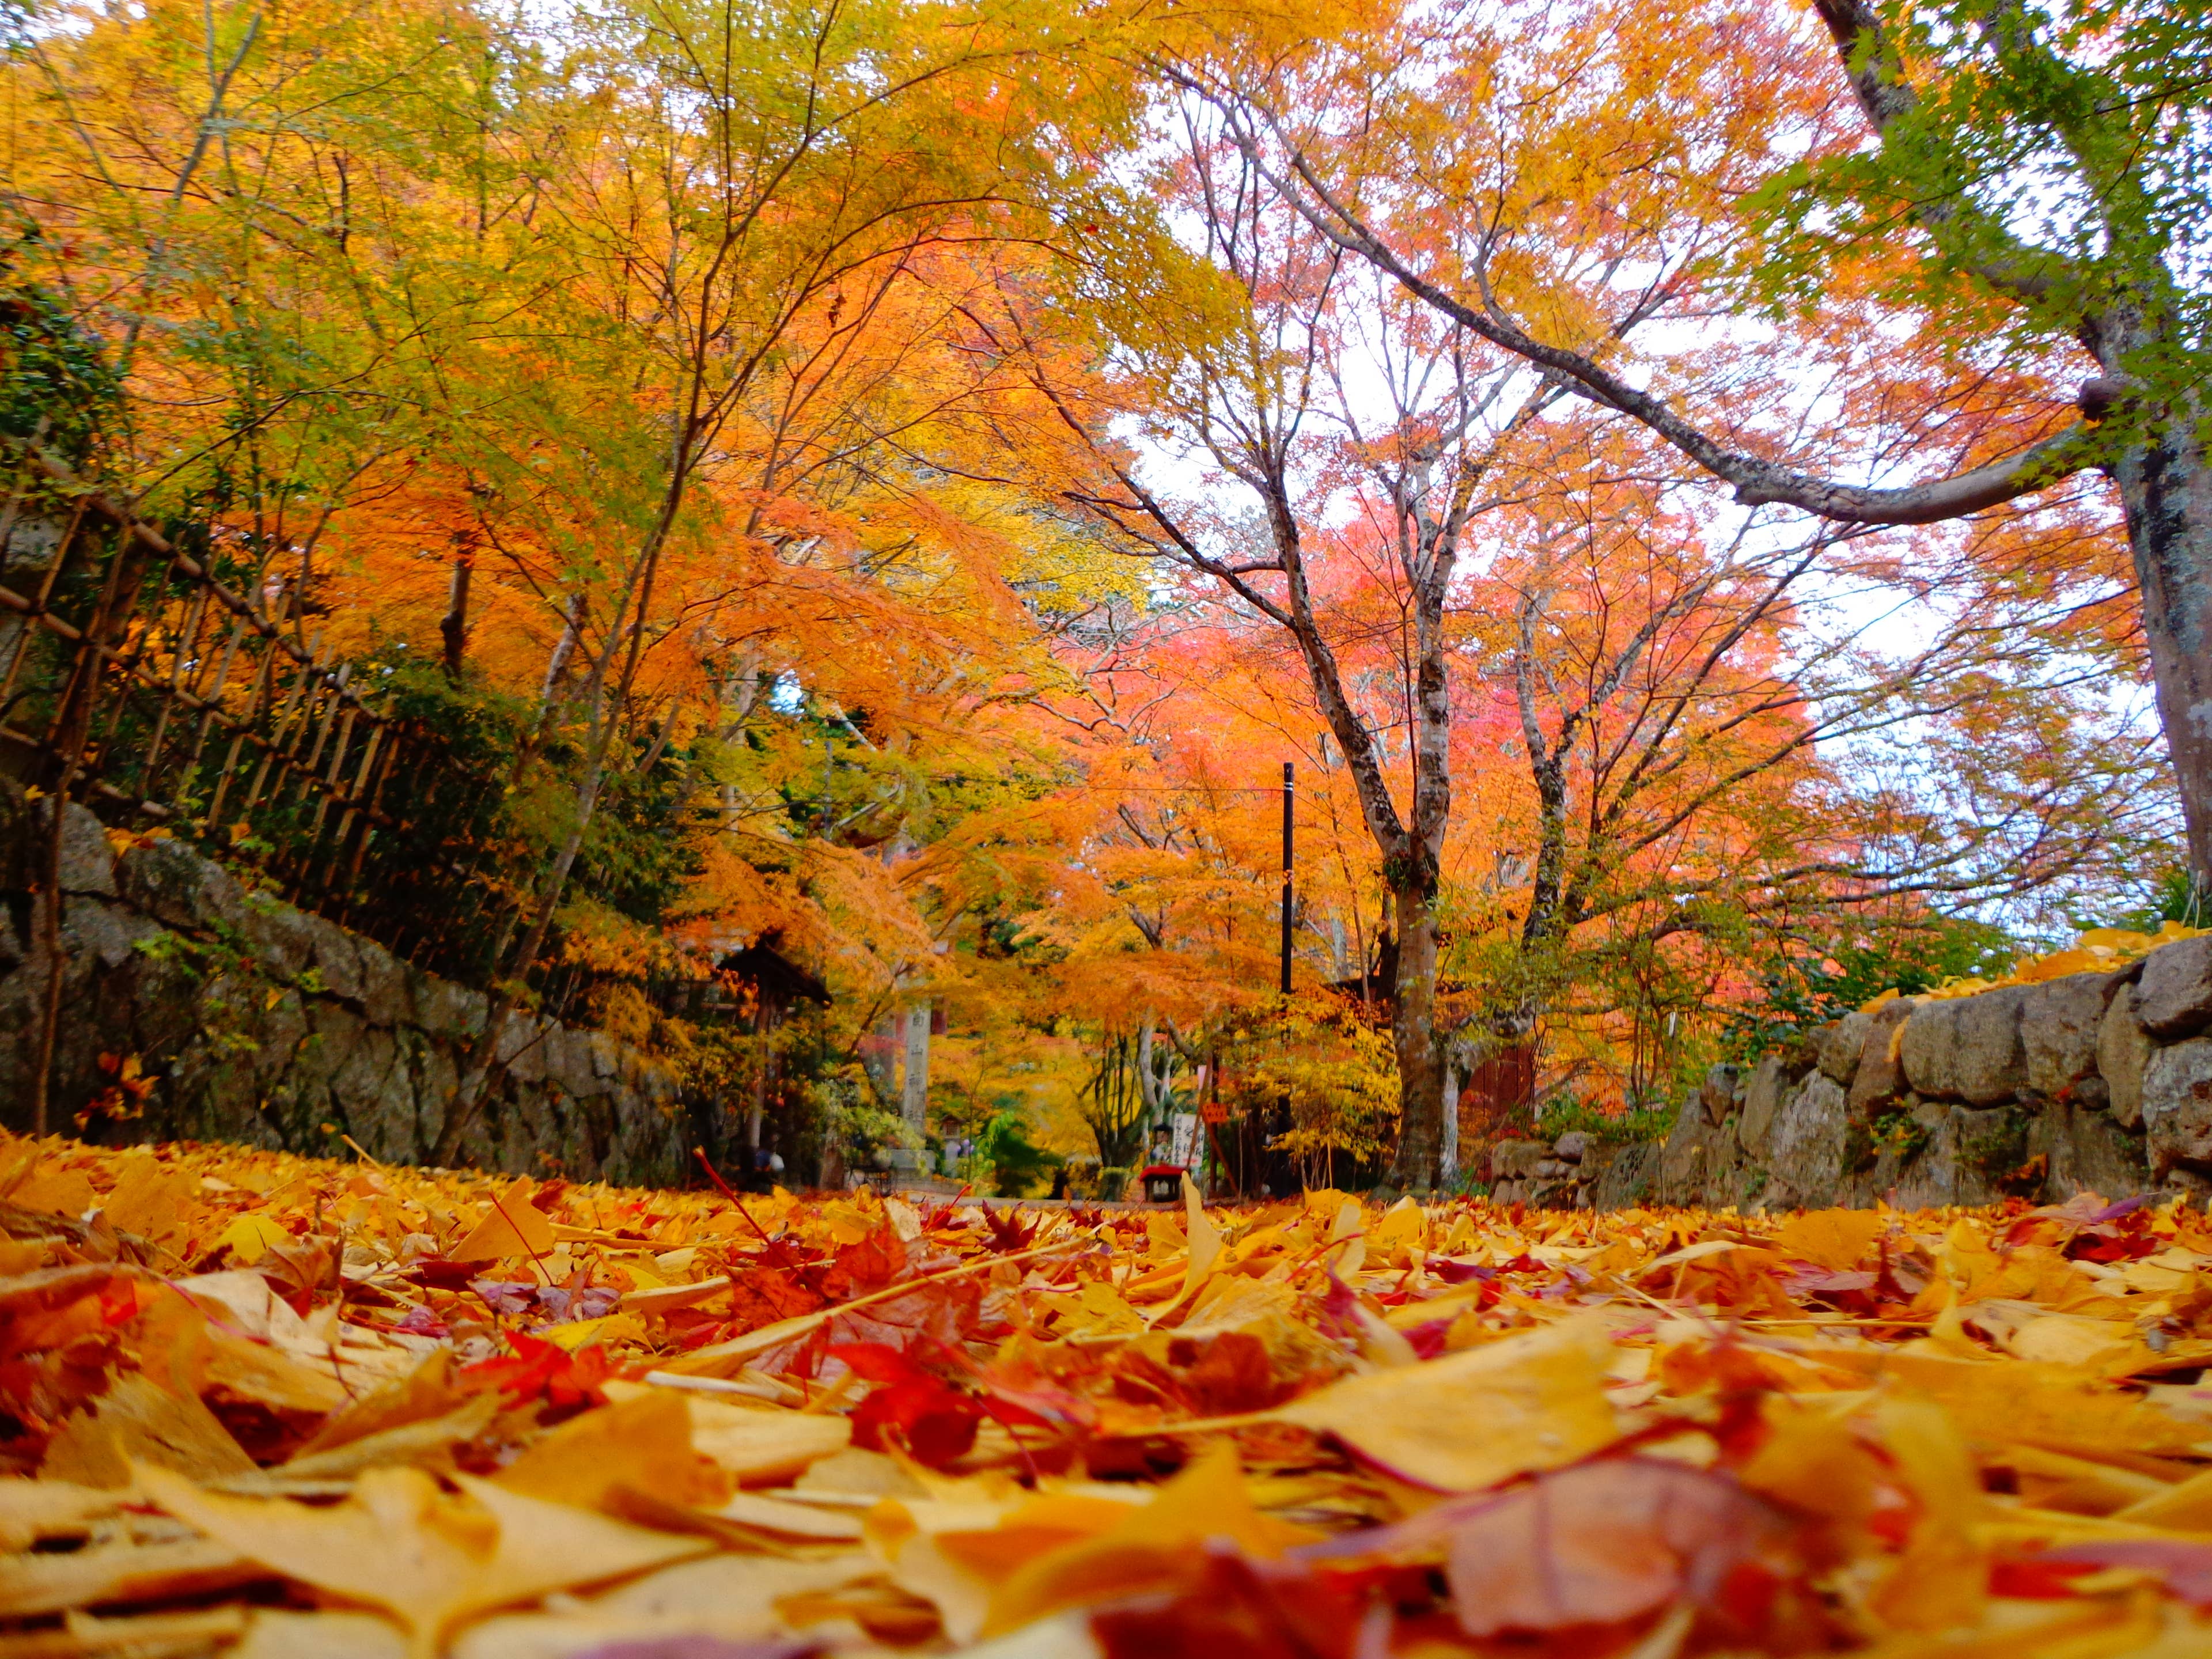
[1924,1175]
[1806,1144]
[445,1009]
[156,992]
[1515,1160]
[1571,1147]
[2177,1106]
[2059,1028]
[337,960]
[333,1030]
[1625,1181]
[559,1065]
[282,939]
[239,1052]
[1968,1048]
[1923,1170]
[2067,1063]
[2089,1152]
[383,999]
[578,1074]
[93,933]
[372,1084]
[174,885]
[2173,998]
[523,1049]
[32,544]
[1990,1148]
[1879,1076]
[1774,1076]
[1726,1173]
[1719,1093]
[1841,1044]
[1685,1160]
[2123,1051]
[437,1080]
[2193,1185]
[86,864]
[280,1029]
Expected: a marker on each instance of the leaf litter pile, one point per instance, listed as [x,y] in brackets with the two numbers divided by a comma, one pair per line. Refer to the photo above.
[255,1405]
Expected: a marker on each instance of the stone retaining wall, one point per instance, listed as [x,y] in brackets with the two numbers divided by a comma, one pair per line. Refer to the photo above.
[2095,1082]
[260,1023]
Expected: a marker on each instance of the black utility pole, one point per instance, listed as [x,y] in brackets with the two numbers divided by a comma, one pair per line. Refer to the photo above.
[1287,894]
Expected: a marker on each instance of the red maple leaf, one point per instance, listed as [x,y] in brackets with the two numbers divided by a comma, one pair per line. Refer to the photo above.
[538,1368]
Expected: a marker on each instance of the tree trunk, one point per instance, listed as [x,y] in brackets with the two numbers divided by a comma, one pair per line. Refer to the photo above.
[758,1109]
[2166,487]
[1447,1159]
[454,628]
[1150,1083]
[1414,1034]
[556,665]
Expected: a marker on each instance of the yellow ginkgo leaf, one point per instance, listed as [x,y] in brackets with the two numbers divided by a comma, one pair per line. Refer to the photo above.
[1404,1223]
[607,1329]
[1128,1551]
[1937,1583]
[1473,1419]
[763,1446]
[644,1442]
[251,1238]
[430,1561]
[515,1228]
[1840,1239]
[1205,1241]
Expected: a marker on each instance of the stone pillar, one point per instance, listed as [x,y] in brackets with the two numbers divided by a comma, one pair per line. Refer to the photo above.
[913,1099]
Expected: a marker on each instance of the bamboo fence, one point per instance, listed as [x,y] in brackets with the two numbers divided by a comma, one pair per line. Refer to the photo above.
[136,679]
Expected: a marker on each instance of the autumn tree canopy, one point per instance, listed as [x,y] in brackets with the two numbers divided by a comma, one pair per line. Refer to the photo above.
[898,480]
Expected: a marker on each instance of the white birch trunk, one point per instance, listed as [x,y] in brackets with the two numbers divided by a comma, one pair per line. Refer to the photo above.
[1448,1158]
[1148,1086]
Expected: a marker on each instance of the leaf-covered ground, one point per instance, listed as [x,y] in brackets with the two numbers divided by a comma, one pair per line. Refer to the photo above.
[255,1405]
